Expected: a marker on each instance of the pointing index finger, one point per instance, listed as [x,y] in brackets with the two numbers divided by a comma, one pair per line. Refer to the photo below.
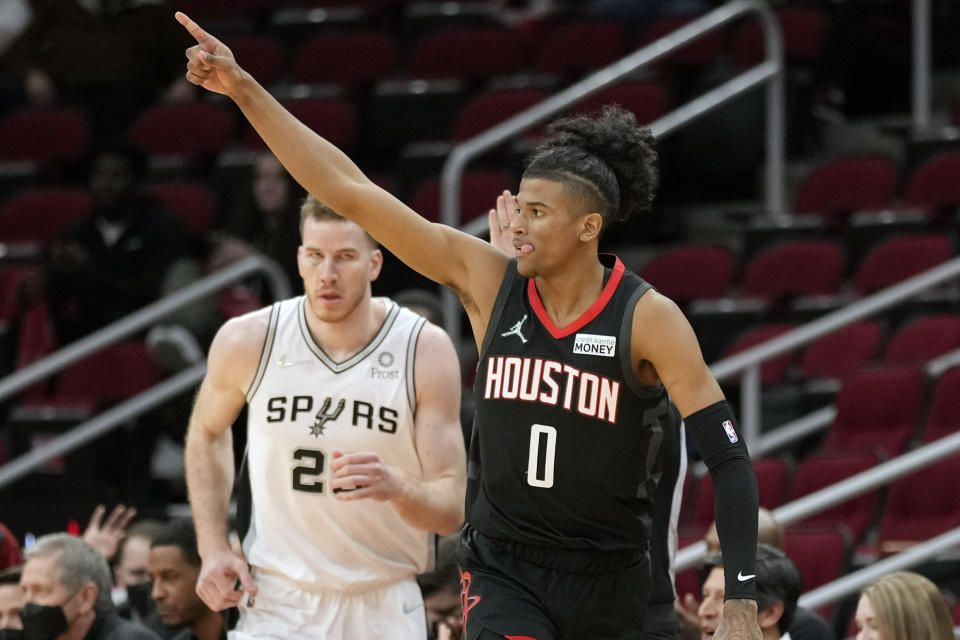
[201,36]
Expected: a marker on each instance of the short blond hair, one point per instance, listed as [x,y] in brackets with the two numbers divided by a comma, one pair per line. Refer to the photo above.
[313,208]
[908,606]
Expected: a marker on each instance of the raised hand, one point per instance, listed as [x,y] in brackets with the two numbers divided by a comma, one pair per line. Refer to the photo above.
[105,537]
[210,63]
[499,220]
[219,573]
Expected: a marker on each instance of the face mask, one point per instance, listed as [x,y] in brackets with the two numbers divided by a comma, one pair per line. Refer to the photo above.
[138,595]
[11,634]
[42,622]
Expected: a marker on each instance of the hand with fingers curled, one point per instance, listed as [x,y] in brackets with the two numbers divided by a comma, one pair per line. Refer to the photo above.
[210,63]
[219,573]
[106,537]
[364,475]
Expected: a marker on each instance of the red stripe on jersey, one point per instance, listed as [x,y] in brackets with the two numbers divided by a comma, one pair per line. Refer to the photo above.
[588,315]
[519,638]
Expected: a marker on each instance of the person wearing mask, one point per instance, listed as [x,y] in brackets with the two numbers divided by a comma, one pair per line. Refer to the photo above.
[131,575]
[903,606]
[12,600]
[67,583]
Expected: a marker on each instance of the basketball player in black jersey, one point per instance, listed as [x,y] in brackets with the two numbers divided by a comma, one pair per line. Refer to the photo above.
[577,356]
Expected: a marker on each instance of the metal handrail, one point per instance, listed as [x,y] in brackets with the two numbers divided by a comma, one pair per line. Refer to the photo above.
[145,317]
[770,72]
[844,490]
[748,362]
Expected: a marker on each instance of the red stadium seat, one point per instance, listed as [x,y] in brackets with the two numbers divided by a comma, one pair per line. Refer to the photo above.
[576,48]
[261,56]
[351,59]
[44,135]
[877,408]
[841,186]
[332,118]
[698,54]
[478,194]
[802,267]
[40,215]
[492,108]
[822,553]
[190,130]
[691,272]
[944,417]
[934,186]
[804,30]
[900,258]
[193,202]
[646,100]
[923,340]
[842,352]
[821,470]
[772,370]
[108,376]
[771,480]
[922,505]
[467,53]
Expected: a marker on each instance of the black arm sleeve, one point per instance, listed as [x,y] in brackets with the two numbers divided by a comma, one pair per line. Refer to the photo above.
[714,431]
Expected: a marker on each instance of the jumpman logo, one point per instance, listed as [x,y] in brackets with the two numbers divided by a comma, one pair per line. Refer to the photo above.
[515,330]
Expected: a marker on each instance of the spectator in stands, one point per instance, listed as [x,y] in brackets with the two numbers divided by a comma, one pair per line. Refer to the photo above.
[778,587]
[111,59]
[422,302]
[112,262]
[12,600]
[903,606]
[131,574]
[441,593]
[174,568]
[10,555]
[67,587]
[806,625]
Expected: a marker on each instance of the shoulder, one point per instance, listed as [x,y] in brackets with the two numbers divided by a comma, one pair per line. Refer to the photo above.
[238,344]
[436,361]
[655,307]
[116,628]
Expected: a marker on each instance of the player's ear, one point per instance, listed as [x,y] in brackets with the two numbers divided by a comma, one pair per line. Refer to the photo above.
[590,229]
[376,263]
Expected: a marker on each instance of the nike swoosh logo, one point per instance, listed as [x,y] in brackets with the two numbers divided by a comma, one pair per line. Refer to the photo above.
[283,364]
[408,609]
[743,578]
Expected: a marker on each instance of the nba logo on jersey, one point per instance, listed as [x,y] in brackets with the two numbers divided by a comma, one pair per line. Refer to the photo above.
[731,433]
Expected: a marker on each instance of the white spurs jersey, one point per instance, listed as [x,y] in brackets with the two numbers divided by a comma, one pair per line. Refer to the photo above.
[303,406]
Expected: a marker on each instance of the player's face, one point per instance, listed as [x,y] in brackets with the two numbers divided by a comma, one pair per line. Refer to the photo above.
[174,586]
[546,228]
[133,562]
[711,608]
[337,262]
[12,600]
[866,619]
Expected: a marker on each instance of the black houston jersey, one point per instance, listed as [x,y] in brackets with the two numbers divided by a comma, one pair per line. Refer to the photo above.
[565,442]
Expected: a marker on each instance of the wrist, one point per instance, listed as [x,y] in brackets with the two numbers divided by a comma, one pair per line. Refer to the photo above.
[740,605]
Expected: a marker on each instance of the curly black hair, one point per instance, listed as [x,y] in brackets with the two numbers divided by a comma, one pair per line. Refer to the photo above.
[607,159]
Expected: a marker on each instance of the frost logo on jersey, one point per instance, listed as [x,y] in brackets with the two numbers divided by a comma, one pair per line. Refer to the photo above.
[385,360]
[515,330]
[592,345]
[324,415]
[731,432]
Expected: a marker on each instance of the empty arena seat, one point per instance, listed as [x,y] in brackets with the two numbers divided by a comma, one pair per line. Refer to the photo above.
[40,215]
[188,130]
[923,340]
[841,352]
[478,194]
[877,408]
[689,272]
[934,186]
[194,202]
[772,475]
[646,100]
[43,135]
[698,54]
[350,58]
[333,118]
[821,470]
[921,505]
[773,369]
[900,258]
[844,185]
[944,416]
[802,267]
[108,376]
[821,552]
[804,30]
[491,108]
[468,53]
[579,47]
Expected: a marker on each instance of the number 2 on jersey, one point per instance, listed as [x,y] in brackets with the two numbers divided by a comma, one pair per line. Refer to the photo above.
[535,476]
[307,477]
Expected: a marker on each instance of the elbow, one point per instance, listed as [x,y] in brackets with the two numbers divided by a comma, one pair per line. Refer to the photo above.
[452,523]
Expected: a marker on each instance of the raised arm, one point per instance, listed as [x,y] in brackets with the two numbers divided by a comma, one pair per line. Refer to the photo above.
[466,264]
[434,501]
[232,363]
[663,344]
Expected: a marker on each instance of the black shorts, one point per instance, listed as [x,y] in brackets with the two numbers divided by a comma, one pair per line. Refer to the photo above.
[661,622]
[527,593]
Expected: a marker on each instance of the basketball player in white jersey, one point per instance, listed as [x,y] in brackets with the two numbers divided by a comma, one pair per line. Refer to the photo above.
[354,452]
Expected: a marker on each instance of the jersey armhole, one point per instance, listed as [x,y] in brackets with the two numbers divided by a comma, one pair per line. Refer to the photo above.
[266,351]
[411,363]
[506,285]
[626,338]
